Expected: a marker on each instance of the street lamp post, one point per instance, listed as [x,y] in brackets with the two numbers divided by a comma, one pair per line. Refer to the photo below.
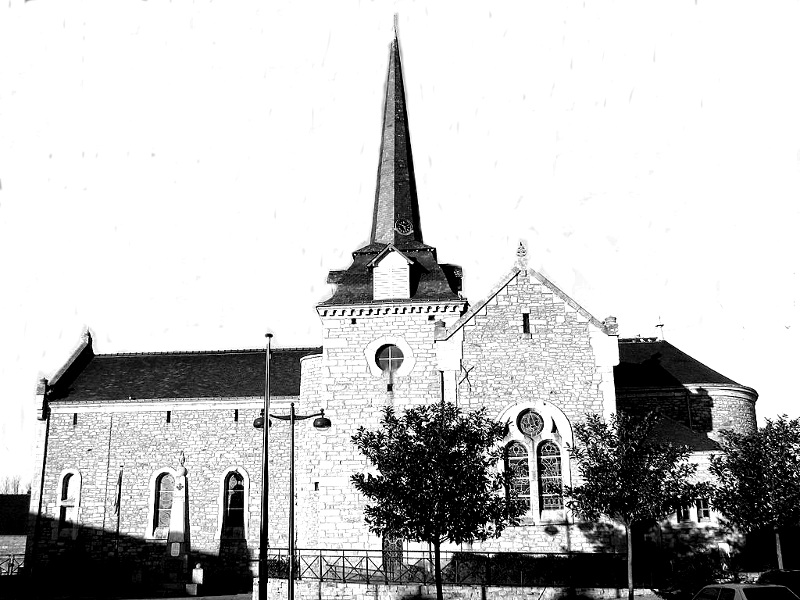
[263,543]
[320,422]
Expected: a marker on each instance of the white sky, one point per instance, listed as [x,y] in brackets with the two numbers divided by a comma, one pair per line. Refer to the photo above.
[183,175]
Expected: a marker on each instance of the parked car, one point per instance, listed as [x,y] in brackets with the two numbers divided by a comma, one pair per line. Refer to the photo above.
[745,591]
[790,579]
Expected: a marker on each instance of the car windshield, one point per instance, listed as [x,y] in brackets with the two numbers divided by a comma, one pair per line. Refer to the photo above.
[756,592]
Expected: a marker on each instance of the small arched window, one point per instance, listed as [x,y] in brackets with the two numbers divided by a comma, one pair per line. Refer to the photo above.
[550,482]
[517,465]
[165,486]
[68,504]
[233,511]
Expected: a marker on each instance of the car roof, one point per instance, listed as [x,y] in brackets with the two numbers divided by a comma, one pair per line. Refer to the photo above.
[738,586]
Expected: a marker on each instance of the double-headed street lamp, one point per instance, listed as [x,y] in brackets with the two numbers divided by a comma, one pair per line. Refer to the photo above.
[320,422]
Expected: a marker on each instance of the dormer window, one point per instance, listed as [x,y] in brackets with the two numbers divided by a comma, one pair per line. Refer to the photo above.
[391,275]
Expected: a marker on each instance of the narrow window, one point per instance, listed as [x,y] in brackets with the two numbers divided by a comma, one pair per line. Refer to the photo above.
[550,484]
[517,465]
[352,321]
[68,504]
[74,419]
[236,415]
[389,358]
[703,510]
[165,485]
[431,317]
[684,514]
[526,323]
[169,416]
[233,511]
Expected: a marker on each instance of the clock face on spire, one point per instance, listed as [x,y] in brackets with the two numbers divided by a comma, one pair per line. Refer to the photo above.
[403,227]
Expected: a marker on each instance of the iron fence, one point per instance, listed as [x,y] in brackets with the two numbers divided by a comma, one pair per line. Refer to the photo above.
[458,568]
[11,564]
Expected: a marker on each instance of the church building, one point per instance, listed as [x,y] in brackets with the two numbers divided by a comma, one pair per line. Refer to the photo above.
[149,463]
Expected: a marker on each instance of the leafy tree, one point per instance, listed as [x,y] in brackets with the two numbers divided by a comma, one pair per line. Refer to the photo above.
[437,478]
[627,476]
[758,478]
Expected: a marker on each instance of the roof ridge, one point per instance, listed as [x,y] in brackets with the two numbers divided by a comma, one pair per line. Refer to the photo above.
[208,352]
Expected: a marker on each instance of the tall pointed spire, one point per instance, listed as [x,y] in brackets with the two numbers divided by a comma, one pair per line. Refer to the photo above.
[396,216]
[395,224]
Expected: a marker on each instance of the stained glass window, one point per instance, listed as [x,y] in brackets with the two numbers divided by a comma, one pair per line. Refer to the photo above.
[165,485]
[550,483]
[530,423]
[517,465]
[233,515]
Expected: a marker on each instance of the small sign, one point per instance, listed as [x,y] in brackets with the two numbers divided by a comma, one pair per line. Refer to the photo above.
[175,549]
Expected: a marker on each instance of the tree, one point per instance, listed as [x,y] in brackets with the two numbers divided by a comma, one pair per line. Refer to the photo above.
[13,485]
[437,478]
[627,476]
[758,478]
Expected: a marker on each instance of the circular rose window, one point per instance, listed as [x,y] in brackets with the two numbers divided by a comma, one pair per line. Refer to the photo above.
[389,358]
[530,423]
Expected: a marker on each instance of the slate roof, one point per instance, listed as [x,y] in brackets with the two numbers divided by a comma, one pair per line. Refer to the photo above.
[396,202]
[651,363]
[429,280]
[396,190]
[670,431]
[229,373]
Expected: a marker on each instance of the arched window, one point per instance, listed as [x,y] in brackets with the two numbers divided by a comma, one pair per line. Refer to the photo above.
[165,486]
[68,503]
[233,510]
[517,465]
[550,482]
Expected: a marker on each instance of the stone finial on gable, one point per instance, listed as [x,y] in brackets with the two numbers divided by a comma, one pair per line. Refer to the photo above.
[522,255]
[610,326]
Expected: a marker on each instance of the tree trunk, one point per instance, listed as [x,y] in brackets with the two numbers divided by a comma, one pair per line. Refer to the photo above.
[437,569]
[778,548]
[629,535]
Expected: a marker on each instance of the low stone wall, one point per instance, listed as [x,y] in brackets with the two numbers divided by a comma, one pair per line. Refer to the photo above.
[330,590]
[12,544]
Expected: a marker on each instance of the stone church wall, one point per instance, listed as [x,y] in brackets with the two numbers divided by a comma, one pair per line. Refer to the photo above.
[554,364]
[353,393]
[704,408]
[98,444]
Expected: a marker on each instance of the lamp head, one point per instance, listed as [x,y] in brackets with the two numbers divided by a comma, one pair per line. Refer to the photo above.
[322,422]
[258,422]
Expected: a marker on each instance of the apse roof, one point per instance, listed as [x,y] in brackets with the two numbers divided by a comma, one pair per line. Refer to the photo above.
[670,431]
[648,362]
